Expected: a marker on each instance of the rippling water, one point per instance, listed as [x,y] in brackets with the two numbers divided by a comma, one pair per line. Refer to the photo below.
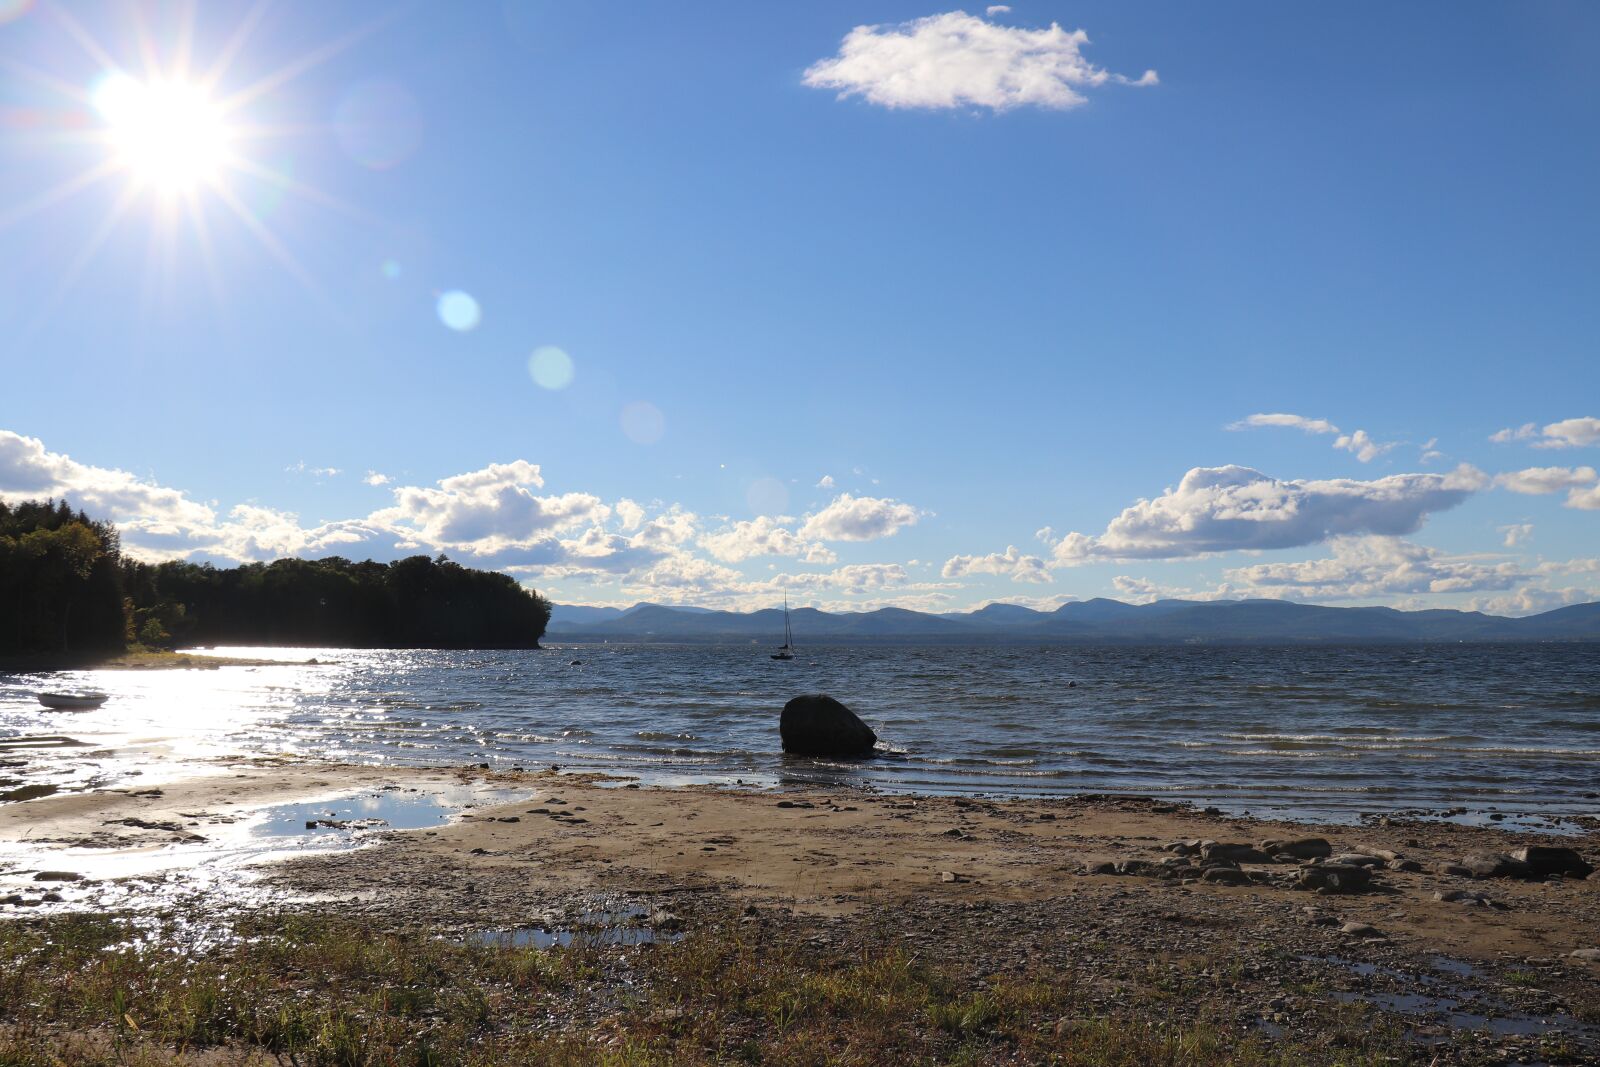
[1322,732]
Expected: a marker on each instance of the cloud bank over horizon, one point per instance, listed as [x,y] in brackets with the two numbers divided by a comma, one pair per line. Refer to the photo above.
[502,516]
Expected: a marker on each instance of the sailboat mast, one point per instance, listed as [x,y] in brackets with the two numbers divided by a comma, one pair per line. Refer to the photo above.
[788,639]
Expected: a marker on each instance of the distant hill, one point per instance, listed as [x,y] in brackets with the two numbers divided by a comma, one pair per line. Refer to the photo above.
[1098,621]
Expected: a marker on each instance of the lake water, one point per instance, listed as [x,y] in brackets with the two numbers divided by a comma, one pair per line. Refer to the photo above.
[1323,733]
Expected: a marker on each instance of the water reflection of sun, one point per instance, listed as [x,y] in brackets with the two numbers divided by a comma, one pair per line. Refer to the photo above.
[164,126]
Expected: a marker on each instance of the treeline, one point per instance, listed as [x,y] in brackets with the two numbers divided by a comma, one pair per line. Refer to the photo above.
[67,590]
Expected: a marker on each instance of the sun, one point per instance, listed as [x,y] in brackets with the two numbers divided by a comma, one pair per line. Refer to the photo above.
[169,135]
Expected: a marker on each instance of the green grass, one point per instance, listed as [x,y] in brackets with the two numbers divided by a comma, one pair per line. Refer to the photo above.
[338,992]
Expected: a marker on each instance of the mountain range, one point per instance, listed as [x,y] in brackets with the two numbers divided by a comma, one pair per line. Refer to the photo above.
[1098,621]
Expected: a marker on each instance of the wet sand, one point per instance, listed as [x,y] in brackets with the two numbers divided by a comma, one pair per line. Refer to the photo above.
[827,852]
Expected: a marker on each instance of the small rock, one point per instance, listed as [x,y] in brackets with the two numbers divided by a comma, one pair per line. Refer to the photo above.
[1591,955]
[1361,930]
[57,876]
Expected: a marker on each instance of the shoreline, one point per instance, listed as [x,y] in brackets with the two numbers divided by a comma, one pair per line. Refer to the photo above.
[146,660]
[974,887]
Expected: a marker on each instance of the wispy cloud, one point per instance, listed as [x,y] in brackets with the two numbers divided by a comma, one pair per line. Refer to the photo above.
[955,60]
[1360,443]
[1293,422]
[1540,481]
[1568,433]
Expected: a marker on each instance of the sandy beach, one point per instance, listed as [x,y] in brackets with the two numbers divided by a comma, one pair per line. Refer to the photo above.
[984,887]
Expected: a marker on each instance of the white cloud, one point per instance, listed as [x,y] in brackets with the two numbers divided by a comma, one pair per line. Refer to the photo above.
[997,9]
[1539,481]
[1368,568]
[859,518]
[374,478]
[1011,563]
[1568,433]
[1532,600]
[1294,422]
[825,482]
[1585,499]
[487,512]
[29,471]
[1363,446]
[957,60]
[488,518]
[763,536]
[1516,533]
[629,514]
[315,472]
[1224,509]
[1037,603]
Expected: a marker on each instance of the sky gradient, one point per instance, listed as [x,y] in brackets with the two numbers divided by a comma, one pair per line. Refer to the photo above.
[869,304]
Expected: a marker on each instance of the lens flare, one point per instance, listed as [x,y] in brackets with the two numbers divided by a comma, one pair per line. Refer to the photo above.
[550,368]
[459,310]
[13,9]
[643,422]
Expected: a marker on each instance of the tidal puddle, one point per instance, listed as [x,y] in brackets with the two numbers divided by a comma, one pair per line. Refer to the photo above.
[628,926]
[540,937]
[1449,998]
[213,850]
[385,809]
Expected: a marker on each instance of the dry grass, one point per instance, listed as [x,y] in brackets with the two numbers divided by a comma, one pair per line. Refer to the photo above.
[336,992]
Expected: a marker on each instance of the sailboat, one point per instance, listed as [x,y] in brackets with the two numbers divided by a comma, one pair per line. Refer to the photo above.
[787,651]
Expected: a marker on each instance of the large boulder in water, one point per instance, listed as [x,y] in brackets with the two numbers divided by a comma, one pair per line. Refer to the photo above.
[818,725]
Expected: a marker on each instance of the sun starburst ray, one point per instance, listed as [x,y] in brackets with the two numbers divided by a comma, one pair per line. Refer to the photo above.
[81,261]
[57,193]
[290,71]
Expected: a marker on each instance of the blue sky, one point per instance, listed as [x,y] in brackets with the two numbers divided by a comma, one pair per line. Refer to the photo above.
[856,298]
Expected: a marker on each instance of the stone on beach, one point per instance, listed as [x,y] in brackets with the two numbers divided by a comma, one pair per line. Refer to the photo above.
[818,725]
[1496,866]
[1545,860]
[1334,878]
[1300,848]
[1234,853]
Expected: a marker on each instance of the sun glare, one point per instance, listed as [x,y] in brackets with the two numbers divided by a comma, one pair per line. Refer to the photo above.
[168,135]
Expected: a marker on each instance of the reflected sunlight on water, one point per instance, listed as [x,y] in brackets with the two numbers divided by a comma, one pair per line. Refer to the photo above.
[1320,732]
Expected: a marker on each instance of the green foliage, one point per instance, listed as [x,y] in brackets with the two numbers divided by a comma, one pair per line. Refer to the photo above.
[412,603]
[66,591]
[59,588]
